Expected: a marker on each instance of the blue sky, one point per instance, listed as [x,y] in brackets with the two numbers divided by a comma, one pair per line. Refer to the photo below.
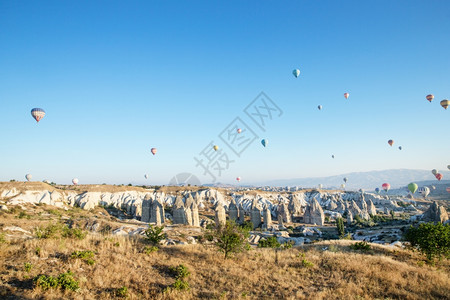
[117,78]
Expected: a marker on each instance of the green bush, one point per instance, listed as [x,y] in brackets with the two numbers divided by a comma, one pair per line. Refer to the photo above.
[430,239]
[154,234]
[47,232]
[340,227]
[229,238]
[73,233]
[179,272]
[149,250]
[86,255]
[65,281]
[364,246]
[27,267]
[269,242]
[180,285]
[122,292]
[307,264]
[247,226]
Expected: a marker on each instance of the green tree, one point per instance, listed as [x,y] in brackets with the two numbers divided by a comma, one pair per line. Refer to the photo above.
[430,239]
[340,227]
[154,234]
[229,238]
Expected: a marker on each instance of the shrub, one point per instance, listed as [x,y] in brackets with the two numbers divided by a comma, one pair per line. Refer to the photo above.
[287,245]
[2,238]
[179,272]
[122,292]
[154,234]
[307,264]
[430,239]
[229,238]
[24,215]
[270,242]
[65,281]
[148,250]
[86,255]
[364,246]
[47,232]
[27,267]
[180,285]
[247,226]
[340,227]
[73,233]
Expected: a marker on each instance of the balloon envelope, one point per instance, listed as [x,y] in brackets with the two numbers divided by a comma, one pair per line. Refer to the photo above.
[75,181]
[154,150]
[319,107]
[332,156]
[146,176]
[343,186]
[377,190]
[448,167]
[391,142]
[412,187]
[430,97]
[424,191]
[346,95]
[296,73]
[239,130]
[445,103]
[439,176]
[434,171]
[264,142]
[238,178]
[345,179]
[386,186]
[38,114]
[28,177]
[399,147]
[216,147]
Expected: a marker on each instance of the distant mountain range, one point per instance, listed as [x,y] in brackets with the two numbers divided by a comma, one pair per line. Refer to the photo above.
[366,180]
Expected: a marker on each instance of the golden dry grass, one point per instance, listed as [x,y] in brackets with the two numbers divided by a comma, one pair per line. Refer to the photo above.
[336,273]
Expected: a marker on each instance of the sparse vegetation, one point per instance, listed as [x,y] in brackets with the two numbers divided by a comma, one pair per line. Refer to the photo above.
[122,292]
[149,250]
[269,242]
[155,234]
[85,255]
[27,267]
[65,281]
[229,238]
[363,246]
[433,240]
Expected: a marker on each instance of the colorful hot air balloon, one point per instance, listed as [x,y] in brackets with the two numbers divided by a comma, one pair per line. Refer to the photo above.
[239,130]
[445,103]
[433,187]
[424,191]
[399,147]
[319,107]
[264,142]
[38,114]
[296,73]
[448,189]
[28,177]
[439,176]
[154,150]
[377,190]
[430,97]
[346,95]
[146,176]
[216,147]
[391,142]
[345,179]
[343,186]
[386,186]
[434,171]
[75,181]
[332,156]
[412,187]
[238,179]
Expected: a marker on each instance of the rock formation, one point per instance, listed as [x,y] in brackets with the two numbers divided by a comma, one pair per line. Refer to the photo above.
[255,214]
[233,211]
[295,207]
[267,217]
[314,214]
[436,213]
[241,214]
[371,208]
[283,211]
[179,213]
[220,217]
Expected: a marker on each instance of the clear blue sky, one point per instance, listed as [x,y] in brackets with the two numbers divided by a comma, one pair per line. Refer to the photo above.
[117,78]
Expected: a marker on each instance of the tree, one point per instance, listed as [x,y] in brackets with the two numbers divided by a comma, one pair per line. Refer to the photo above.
[229,238]
[154,234]
[340,227]
[430,239]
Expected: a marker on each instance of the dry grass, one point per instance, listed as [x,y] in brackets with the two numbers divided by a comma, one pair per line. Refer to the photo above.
[301,273]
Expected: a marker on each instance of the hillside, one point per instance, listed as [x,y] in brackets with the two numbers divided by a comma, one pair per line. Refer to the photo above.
[124,265]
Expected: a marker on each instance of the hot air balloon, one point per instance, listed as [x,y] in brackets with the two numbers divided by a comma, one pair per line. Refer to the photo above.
[238,179]
[399,147]
[332,156]
[386,186]
[391,142]
[75,181]
[445,103]
[264,142]
[448,167]
[319,107]
[216,147]
[439,176]
[296,73]
[433,187]
[38,114]
[430,97]
[146,176]
[320,186]
[28,177]
[346,95]
[239,130]
[377,190]
[154,150]
[424,191]
[434,171]
[448,189]
[345,179]
[343,186]
[412,187]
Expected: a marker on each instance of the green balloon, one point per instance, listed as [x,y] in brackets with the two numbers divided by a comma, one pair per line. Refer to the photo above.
[412,187]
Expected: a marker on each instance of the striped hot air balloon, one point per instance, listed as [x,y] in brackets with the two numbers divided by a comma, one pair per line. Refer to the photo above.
[424,191]
[430,97]
[386,186]
[28,177]
[346,95]
[445,103]
[38,114]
